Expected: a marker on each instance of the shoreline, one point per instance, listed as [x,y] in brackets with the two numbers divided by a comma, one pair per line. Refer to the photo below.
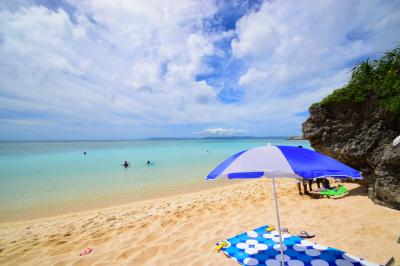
[183,229]
[115,199]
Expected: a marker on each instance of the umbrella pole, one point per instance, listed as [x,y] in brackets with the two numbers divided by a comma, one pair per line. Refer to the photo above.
[278,220]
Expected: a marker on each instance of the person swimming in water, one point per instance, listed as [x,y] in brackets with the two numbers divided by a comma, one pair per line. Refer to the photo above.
[149,163]
[126,164]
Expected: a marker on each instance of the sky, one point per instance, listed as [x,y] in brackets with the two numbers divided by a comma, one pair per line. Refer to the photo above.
[85,69]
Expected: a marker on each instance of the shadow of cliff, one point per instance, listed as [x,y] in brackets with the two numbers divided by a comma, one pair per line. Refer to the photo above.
[358,191]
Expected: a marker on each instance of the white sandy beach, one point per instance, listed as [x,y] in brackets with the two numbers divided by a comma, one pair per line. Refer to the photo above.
[183,230]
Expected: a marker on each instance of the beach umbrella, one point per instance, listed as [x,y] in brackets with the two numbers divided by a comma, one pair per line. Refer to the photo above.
[281,162]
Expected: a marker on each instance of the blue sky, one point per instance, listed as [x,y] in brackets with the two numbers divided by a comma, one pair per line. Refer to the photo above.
[134,69]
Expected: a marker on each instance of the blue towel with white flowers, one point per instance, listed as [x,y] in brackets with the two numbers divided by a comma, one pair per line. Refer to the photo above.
[259,247]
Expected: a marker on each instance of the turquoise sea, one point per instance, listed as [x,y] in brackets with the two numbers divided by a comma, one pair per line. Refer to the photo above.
[56,173]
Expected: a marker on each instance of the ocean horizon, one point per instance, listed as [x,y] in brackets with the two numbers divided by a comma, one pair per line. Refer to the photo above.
[151,138]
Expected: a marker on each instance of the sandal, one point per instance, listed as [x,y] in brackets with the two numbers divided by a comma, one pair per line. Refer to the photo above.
[270,228]
[221,245]
[86,251]
[285,230]
[304,234]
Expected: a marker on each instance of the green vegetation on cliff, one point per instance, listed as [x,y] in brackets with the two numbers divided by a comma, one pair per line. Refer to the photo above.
[379,77]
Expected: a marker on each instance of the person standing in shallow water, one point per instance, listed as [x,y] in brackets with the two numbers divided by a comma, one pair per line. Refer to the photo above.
[126,164]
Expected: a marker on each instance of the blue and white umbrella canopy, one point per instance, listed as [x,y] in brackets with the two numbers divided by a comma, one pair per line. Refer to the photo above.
[282,161]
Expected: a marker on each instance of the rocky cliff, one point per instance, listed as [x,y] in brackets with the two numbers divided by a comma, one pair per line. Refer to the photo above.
[358,128]
[361,136]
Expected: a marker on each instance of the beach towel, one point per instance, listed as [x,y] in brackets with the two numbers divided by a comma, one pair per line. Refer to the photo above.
[336,192]
[260,247]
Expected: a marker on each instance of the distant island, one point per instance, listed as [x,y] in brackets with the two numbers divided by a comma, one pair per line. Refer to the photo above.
[295,138]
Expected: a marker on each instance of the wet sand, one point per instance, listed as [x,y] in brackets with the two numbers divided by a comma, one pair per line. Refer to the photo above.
[86,203]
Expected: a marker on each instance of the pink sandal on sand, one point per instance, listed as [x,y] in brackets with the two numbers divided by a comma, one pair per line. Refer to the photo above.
[86,251]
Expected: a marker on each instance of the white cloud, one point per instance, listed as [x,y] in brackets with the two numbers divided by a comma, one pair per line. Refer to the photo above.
[115,63]
[220,131]
[135,64]
[286,45]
